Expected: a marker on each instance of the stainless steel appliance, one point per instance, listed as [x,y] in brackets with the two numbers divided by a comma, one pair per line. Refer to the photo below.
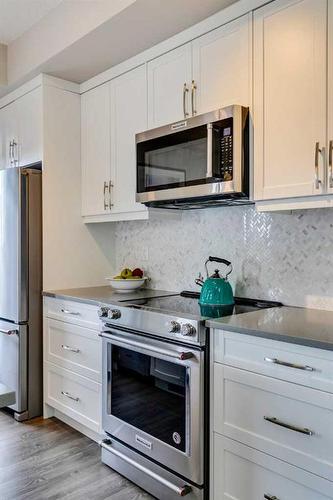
[155,392]
[197,162]
[20,288]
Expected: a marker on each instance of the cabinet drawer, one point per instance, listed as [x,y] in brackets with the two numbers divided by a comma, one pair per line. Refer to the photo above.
[242,473]
[72,312]
[73,395]
[303,365]
[257,410]
[73,347]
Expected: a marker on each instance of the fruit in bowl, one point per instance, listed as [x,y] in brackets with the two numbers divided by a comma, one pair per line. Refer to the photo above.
[127,281]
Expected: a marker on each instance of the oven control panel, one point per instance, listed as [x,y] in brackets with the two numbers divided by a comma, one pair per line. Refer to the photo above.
[184,329]
[146,322]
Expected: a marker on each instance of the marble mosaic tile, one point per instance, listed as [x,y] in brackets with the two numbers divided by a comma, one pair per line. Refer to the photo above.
[276,256]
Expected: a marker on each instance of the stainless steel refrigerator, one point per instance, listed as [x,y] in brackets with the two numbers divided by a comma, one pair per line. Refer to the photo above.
[20,288]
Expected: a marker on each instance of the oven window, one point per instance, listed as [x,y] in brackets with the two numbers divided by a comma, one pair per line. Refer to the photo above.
[150,394]
[175,160]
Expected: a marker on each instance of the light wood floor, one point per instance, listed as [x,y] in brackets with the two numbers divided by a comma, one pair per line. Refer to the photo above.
[46,459]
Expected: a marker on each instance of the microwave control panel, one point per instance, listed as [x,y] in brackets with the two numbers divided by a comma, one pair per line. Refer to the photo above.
[226,145]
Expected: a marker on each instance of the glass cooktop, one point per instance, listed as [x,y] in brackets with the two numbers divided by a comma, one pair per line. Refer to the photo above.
[188,303]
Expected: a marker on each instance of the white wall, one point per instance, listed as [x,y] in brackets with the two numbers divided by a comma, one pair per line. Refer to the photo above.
[61,27]
[3,64]
[74,254]
[286,257]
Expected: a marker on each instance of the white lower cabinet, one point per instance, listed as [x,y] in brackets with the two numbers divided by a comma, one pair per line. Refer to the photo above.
[75,396]
[73,363]
[272,434]
[243,473]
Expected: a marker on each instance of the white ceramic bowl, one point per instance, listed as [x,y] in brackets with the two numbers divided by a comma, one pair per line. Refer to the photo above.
[126,286]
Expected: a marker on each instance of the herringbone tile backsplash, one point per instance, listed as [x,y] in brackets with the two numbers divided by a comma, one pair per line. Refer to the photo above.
[277,256]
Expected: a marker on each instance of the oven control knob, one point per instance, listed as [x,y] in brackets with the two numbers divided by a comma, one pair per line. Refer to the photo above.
[188,329]
[174,327]
[103,312]
[114,314]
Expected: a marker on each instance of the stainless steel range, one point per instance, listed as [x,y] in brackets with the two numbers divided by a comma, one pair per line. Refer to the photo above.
[155,390]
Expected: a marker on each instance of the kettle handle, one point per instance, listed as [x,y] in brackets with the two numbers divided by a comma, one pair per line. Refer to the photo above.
[221,261]
[218,259]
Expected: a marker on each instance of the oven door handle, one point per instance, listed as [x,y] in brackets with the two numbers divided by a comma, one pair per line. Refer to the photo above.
[179,490]
[182,356]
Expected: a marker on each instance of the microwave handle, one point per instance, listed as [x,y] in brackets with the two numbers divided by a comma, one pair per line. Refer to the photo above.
[209,172]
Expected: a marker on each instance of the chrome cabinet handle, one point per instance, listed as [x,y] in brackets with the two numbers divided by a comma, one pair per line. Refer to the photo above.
[193,93]
[157,350]
[317,179]
[179,490]
[330,164]
[110,197]
[11,152]
[71,349]
[15,156]
[270,497]
[9,332]
[105,188]
[301,430]
[276,361]
[185,90]
[69,396]
[72,313]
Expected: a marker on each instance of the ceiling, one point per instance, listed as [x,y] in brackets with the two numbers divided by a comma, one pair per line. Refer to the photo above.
[140,26]
[18,16]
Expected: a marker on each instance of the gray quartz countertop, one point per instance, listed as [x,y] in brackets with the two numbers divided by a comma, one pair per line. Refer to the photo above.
[297,325]
[103,295]
[309,327]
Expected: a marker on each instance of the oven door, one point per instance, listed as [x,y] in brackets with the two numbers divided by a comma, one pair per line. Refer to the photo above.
[153,399]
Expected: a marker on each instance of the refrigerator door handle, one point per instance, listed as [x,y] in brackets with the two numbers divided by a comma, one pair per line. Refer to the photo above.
[9,332]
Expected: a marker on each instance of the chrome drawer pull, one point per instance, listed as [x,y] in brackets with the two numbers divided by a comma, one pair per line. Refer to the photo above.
[64,393]
[179,490]
[276,361]
[72,313]
[317,151]
[71,349]
[8,332]
[302,430]
[185,90]
[270,497]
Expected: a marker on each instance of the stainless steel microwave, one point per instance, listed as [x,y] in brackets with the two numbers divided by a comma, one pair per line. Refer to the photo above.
[196,162]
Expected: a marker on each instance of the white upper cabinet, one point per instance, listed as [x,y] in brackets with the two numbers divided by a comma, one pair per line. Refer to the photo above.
[290,79]
[29,118]
[21,131]
[8,133]
[211,72]
[95,150]
[222,66]
[111,115]
[128,116]
[169,79]
[330,97]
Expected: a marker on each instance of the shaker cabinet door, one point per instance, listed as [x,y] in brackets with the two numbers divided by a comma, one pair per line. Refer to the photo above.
[8,134]
[330,98]
[290,49]
[168,99]
[95,150]
[128,117]
[222,66]
[29,117]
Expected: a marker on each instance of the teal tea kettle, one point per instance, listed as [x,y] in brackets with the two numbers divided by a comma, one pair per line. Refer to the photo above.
[216,290]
